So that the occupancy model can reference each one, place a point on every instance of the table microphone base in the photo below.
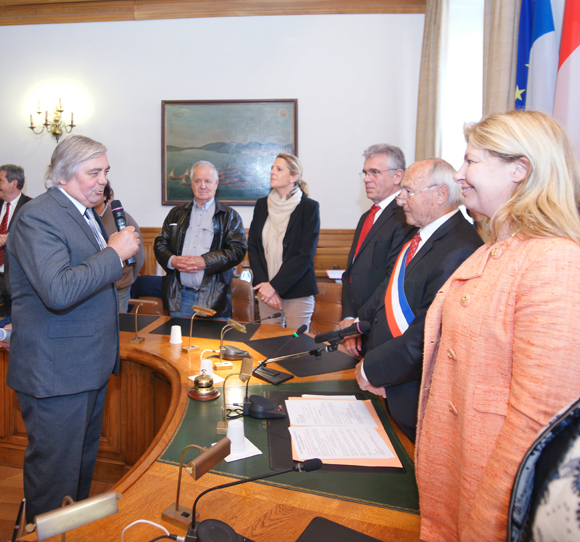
(271, 375)
(232, 353)
(179, 518)
(214, 530)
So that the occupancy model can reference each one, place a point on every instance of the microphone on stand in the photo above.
(333, 337)
(121, 222)
(358, 328)
(270, 375)
(213, 530)
(231, 353)
(275, 315)
(296, 334)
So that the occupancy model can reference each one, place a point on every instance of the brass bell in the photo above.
(203, 389)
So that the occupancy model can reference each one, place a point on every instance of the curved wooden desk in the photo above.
(260, 512)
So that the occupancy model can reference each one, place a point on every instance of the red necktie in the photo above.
(413, 248)
(3, 228)
(369, 221)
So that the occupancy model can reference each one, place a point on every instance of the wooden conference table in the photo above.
(260, 512)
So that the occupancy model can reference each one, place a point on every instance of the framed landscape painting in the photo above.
(240, 137)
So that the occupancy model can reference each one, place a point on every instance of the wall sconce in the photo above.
(55, 126)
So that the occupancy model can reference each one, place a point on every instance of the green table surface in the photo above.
(389, 490)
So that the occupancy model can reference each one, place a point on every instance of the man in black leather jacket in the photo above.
(198, 247)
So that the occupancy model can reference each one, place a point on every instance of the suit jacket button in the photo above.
(452, 408)
(465, 300)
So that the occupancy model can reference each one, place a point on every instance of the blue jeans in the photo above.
(189, 298)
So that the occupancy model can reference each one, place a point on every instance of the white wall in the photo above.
(355, 78)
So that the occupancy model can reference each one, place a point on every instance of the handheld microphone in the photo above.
(215, 527)
(358, 328)
(121, 222)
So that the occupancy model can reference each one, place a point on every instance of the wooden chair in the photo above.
(327, 308)
(243, 301)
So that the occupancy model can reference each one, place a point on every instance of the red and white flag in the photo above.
(567, 98)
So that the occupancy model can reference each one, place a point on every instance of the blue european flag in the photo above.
(524, 48)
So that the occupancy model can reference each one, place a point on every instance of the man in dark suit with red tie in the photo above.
(379, 236)
(393, 362)
(11, 185)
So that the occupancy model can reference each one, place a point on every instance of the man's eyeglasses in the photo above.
(405, 193)
(374, 173)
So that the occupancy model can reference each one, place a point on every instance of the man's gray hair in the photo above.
(396, 155)
(69, 154)
(442, 173)
(14, 173)
(204, 163)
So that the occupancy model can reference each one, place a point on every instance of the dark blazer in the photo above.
(376, 257)
(396, 363)
(228, 248)
(23, 199)
(4, 284)
(65, 338)
(296, 277)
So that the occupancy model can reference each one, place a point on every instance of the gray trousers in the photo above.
(63, 441)
(295, 312)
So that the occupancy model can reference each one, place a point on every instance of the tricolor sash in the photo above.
(399, 313)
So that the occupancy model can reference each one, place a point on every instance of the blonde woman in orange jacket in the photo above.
(502, 338)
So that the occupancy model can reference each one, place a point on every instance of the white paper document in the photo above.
(339, 443)
(325, 397)
(317, 413)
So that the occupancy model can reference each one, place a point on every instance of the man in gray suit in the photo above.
(65, 338)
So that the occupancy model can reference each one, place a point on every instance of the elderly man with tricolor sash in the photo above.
(392, 365)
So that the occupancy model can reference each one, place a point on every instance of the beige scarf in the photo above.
(279, 211)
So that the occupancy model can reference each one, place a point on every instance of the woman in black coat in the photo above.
(282, 244)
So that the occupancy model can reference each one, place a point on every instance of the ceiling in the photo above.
(18, 12)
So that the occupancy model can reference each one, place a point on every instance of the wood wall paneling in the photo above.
(16, 12)
(333, 249)
(150, 265)
(138, 401)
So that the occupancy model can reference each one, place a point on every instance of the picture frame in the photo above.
(240, 137)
